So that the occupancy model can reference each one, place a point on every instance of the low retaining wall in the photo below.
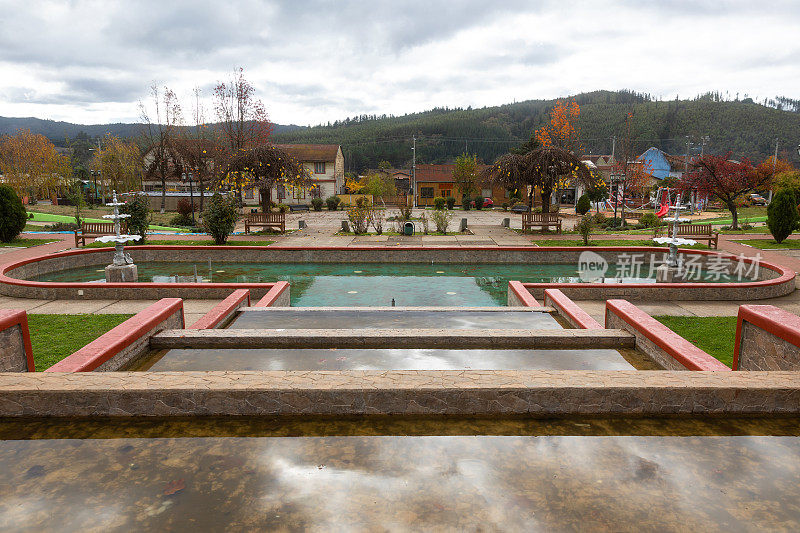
(569, 310)
(278, 296)
(657, 341)
(223, 310)
(126, 343)
(531, 393)
(15, 281)
(519, 296)
(16, 354)
(767, 338)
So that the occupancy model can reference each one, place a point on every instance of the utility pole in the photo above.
(613, 145)
(414, 172)
(774, 162)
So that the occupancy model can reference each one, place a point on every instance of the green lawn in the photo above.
(713, 334)
(25, 243)
(47, 217)
(770, 244)
(607, 242)
(54, 337)
(205, 242)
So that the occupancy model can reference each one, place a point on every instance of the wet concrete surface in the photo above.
(498, 475)
(392, 359)
(341, 319)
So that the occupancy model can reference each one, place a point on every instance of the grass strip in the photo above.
(713, 334)
(54, 337)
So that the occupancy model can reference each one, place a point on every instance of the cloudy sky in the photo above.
(315, 61)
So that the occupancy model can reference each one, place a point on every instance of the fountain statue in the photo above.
(122, 268)
(667, 272)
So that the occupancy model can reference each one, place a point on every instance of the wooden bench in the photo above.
(97, 229)
(299, 207)
(696, 232)
(634, 215)
(541, 220)
(520, 209)
(266, 220)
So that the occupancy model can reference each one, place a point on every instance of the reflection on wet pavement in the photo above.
(533, 482)
(391, 359)
(342, 319)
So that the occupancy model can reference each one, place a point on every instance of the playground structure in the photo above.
(664, 199)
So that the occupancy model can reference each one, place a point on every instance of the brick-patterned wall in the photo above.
(12, 350)
(767, 338)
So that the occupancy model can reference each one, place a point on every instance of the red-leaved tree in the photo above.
(724, 178)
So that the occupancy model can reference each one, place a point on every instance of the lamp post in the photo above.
(191, 196)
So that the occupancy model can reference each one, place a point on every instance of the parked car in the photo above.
(757, 199)
(488, 202)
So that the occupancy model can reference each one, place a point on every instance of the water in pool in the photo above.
(400, 474)
(362, 284)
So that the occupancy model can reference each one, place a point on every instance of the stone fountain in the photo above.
(667, 272)
(122, 268)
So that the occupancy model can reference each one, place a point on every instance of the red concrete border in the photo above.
(771, 319)
(574, 313)
(223, 310)
(273, 294)
(18, 317)
(523, 295)
(683, 351)
(112, 342)
(786, 274)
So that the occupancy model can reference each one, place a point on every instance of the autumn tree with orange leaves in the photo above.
(31, 164)
(563, 130)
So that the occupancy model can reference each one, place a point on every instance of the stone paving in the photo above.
(485, 228)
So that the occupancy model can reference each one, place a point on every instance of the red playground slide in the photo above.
(663, 209)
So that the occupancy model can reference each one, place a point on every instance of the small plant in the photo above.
(439, 203)
(519, 205)
(441, 219)
(424, 221)
(62, 226)
(184, 208)
(219, 217)
(333, 202)
(583, 205)
(649, 220)
(405, 212)
(317, 204)
(479, 202)
(138, 208)
(599, 219)
(12, 214)
(466, 203)
(584, 227)
(377, 220)
(282, 208)
(782, 215)
(360, 216)
(505, 206)
(451, 203)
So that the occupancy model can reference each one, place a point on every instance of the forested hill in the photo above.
(59, 132)
(743, 127)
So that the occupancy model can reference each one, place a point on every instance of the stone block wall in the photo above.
(16, 354)
(767, 338)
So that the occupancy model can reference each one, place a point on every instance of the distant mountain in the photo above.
(746, 128)
(58, 131)
(712, 123)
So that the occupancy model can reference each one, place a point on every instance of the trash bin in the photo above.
(408, 228)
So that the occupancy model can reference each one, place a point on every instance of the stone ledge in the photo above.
(394, 338)
(532, 393)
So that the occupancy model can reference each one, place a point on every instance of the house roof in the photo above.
(311, 152)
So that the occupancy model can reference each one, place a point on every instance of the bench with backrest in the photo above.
(541, 220)
(298, 207)
(266, 220)
(696, 232)
(97, 229)
(633, 215)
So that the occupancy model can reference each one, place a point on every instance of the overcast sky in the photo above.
(318, 61)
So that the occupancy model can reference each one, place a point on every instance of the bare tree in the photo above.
(196, 148)
(161, 124)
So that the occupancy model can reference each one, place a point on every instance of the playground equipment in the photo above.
(662, 200)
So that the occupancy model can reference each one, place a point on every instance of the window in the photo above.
(446, 193)
(281, 192)
(426, 192)
(319, 168)
(248, 194)
(299, 193)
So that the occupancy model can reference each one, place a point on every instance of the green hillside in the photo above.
(747, 129)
